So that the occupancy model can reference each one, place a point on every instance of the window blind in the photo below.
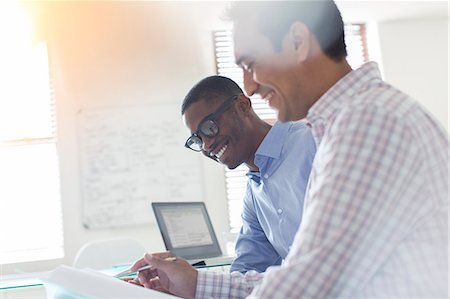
(236, 180)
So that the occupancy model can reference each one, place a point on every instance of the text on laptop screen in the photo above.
(186, 227)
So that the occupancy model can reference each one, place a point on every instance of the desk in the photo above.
(28, 285)
(28, 280)
(25, 285)
(23, 280)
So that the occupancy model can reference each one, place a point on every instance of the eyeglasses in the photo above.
(208, 126)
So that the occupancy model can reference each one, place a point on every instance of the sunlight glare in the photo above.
(15, 28)
(24, 73)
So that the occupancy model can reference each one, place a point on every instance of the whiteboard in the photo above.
(131, 156)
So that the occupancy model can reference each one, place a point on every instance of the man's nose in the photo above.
(250, 86)
(207, 143)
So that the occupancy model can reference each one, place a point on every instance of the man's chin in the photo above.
(231, 166)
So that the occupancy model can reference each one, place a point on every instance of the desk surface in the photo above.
(22, 280)
(25, 280)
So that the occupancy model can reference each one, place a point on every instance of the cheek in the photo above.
(261, 76)
(262, 71)
(269, 68)
(236, 130)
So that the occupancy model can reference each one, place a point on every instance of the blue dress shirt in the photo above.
(273, 204)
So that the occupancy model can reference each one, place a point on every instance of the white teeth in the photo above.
(268, 97)
(222, 150)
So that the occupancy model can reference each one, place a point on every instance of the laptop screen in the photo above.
(186, 229)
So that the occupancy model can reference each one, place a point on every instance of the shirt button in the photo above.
(266, 176)
(280, 211)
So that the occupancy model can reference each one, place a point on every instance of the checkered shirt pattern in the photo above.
(375, 222)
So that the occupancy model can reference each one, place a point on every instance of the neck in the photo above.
(259, 134)
(323, 74)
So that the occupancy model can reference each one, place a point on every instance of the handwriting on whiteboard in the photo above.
(131, 156)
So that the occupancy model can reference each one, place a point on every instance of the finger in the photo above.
(155, 283)
(139, 263)
(158, 260)
(161, 255)
(146, 275)
(142, 262)
(145, 280)
(135, 281)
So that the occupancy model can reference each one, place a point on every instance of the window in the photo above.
(30, 204)
(236, 180)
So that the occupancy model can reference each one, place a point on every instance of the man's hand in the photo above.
(177, 277)
(132, 280)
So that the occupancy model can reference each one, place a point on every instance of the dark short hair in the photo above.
(274, 18)
(211, 88)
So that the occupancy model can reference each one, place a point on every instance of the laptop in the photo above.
(187, 232)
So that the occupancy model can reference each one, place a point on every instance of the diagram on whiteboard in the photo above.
(131, 156)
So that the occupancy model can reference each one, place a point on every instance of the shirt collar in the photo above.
(270, 148)
(254, 175)
(272, 144)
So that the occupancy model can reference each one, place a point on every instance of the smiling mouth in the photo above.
(269, 96)
(220, 153)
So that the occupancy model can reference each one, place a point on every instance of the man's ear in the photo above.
(298, 39)
(244, 104)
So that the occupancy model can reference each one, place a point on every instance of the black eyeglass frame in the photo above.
(195, 138)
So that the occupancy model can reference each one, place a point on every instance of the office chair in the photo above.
(104, 254)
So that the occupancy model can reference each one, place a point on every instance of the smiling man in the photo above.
(226, 129)
(376, 207)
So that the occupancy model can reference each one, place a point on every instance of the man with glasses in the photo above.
(226, 129)
(375, 219)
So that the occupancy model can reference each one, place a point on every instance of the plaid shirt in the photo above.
(376, 208)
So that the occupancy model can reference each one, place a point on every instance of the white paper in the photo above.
(68, 282)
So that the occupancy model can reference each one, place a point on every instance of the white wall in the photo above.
(105, 53)
(415, 59)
